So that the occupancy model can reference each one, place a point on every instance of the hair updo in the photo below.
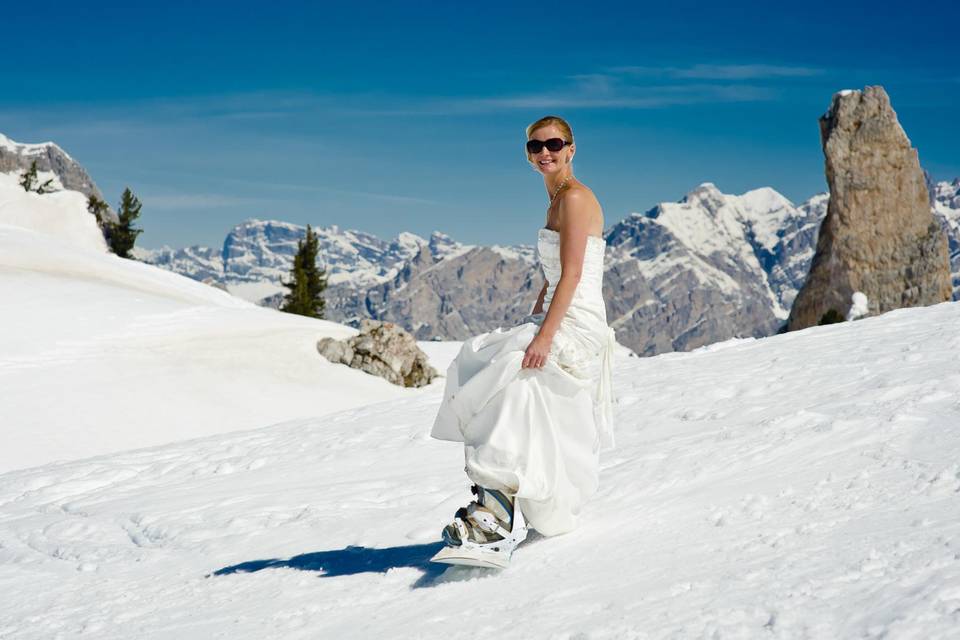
(546, 121)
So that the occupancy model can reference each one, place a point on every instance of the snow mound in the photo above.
(62, 214)
(101, 354)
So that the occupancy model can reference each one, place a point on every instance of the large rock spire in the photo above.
(879, 236)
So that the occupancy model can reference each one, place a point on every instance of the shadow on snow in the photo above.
(353, 560)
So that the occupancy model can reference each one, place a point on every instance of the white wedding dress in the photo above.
(537, 432)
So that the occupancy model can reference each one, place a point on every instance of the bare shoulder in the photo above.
(580, 203)
(579, 196)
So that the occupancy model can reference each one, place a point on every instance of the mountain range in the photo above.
(680, 275)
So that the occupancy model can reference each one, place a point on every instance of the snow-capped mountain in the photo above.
(681, 275)
(368, 276)
(257, 256)
(746, 256)
(709, 267)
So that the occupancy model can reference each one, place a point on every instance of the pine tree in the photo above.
(123, 234)
(307, 282)
(29, 177)
(97, 207)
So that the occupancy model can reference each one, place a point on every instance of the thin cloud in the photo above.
(616, 88)
(719, 72)
(173, 202)
(585, 96)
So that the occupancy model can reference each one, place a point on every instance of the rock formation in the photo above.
(382, 349)
(16, 157)
(879, 236)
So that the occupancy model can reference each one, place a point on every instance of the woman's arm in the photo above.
(538, 307)
(574, 215)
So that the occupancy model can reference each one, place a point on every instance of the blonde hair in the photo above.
(546, 121)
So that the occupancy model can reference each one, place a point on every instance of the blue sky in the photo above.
(410, 116)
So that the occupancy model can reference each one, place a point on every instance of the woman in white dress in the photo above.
(532, 403)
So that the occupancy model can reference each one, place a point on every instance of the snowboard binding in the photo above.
(485, 532)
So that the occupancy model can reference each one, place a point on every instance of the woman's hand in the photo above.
(537, 352)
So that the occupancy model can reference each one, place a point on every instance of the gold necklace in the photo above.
(554, 196)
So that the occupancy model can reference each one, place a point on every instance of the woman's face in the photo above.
(548, 161)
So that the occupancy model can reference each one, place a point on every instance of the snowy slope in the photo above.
(799, 486)
(102, 354)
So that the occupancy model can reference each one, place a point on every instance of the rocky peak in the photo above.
(50, 158)
(706, 196)
(441, 245)
(879, 236)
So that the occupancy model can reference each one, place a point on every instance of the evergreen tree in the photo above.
(122, 234)
(29, 177)
(97, 207)
(307, 282)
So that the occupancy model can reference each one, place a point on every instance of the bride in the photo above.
(532, 403)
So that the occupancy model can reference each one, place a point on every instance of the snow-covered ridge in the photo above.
(258, 254)
(30, 149)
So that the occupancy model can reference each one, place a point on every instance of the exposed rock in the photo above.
(457, 297)
(382, 349)
(17, 157)
(879, 236)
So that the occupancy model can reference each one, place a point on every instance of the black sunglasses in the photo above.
(553, 144)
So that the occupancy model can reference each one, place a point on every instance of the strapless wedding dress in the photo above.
(537, 432)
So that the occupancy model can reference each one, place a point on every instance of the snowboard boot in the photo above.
(485, 532)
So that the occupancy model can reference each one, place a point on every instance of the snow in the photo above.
(803, 485)
(62, 214)
(768, 213)
(859, 306)
(799, 486)
(254, 291)
(19, 148)
(527, 253)
(101, 354)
